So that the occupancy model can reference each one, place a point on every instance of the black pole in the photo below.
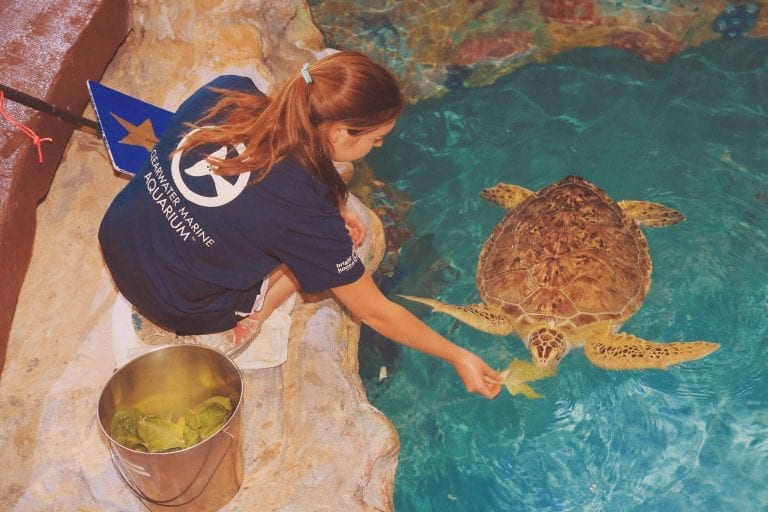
(43, 106)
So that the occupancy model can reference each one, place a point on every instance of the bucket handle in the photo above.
(131, 484)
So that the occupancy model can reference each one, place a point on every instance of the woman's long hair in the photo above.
(346, 88)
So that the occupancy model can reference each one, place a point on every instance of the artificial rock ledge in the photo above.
(47, 50)
(302, 420)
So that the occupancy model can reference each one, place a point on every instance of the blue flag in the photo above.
(130, 127)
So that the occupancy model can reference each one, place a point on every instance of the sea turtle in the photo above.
(565, 268)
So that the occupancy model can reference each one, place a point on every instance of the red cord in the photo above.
(36, 140)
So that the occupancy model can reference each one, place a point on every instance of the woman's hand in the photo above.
(475, 374)
(354, 225)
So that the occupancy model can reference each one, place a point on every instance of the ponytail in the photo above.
(345, 88)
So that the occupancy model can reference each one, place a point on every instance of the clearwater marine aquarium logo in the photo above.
(194, 180)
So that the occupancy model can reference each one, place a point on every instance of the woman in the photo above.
(240, 205)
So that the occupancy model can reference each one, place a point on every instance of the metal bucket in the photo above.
(175, 379)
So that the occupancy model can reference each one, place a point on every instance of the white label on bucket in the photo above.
(136, 468)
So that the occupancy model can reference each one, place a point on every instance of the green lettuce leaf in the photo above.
(150, 433)
(209, 416)
(161, 435)
(124, 428)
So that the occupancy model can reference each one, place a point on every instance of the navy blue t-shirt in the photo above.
(189, 248)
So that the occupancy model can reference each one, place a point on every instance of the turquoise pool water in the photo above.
(692, 134)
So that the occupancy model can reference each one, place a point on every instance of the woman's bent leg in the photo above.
(282, 284)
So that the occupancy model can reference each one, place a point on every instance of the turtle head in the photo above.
(547, 347)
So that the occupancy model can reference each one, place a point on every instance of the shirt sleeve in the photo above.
(311, 237)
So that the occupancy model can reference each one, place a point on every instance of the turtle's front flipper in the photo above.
(479, 316)
(651, 215)
(626, 352)
(505, 195)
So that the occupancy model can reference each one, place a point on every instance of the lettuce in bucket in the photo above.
(151, 433)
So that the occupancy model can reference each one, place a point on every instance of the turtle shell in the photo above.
(565, 255)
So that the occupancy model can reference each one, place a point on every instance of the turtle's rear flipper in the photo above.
(479, 316)
(626, 352)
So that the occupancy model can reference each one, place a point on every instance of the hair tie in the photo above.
(305, 73)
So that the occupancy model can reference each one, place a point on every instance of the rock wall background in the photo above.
(436, 45)
(47, 51)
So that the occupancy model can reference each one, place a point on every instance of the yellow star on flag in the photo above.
(142, 135)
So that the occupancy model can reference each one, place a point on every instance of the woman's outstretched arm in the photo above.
(366, 302)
